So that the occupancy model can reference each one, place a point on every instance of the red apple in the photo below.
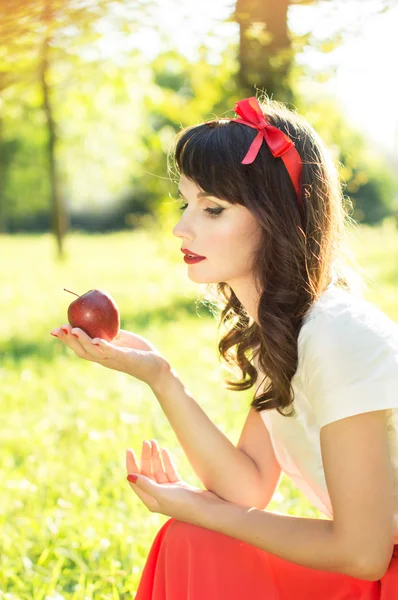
(96, 313)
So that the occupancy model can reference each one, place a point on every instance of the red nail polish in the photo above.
(74, 335)
(132, 478)
(64, 330)
(54, 334)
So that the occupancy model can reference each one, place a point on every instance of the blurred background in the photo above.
(92, 95)
(93, 91)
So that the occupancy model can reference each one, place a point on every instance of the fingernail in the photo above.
(74, 335)
(64, 330)
(54, 334)
(94, 344)
(132, 478)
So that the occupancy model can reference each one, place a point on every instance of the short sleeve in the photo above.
(350, 364)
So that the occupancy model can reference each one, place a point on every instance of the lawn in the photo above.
(71, 526)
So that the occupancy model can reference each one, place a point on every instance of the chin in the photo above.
(199, 279)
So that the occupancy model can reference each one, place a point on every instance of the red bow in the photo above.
(278, 142)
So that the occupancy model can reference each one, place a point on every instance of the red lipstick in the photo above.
(190, 260)
(190, 253)
(190, 257)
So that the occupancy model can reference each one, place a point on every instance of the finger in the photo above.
(66, 328)
(169, 466)
(110, 350)
(61, 331)
(139, 482)
(65, 335)
(131, 461)
(158, 471)
(146, 459)
(94, 351)
(146, 489)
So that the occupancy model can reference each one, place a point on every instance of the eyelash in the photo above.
(214, 212)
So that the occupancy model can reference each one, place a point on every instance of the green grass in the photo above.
(70, 525)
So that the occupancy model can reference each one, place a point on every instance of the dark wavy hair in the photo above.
(300, 253)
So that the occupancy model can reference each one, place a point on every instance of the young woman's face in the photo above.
(227, 239)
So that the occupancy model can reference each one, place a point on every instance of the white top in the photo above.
(347, 365)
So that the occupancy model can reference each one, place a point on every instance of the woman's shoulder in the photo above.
(348, 357)
(340, 315)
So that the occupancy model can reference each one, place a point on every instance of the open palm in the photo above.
(126, 339)
(157, 464)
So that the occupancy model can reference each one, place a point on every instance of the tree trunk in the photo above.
(265, 51)
(59, 217)
(3, 225)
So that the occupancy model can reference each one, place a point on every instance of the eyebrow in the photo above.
(200, 194)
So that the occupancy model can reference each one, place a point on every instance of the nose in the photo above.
(181, 231)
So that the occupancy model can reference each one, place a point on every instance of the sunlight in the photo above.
(362, 58)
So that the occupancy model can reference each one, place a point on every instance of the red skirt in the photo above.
(187, 562)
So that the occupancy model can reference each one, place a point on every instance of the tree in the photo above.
(265, 52)
(181, 93)
(267, 47)
(59, 221)
(267, 60)
(15, 55)
(34, 36)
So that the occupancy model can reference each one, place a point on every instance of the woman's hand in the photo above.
(127, 352)
(162, 490)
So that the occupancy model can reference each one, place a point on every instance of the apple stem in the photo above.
(65, 290)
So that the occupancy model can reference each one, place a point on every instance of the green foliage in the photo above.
(77, 86)
(369, 181)
(181, 93)
(116, 116)
(71, 526)
(375, 195)
(27, 185)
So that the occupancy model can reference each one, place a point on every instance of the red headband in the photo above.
(278, 142)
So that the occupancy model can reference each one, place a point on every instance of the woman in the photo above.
(263, 213)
